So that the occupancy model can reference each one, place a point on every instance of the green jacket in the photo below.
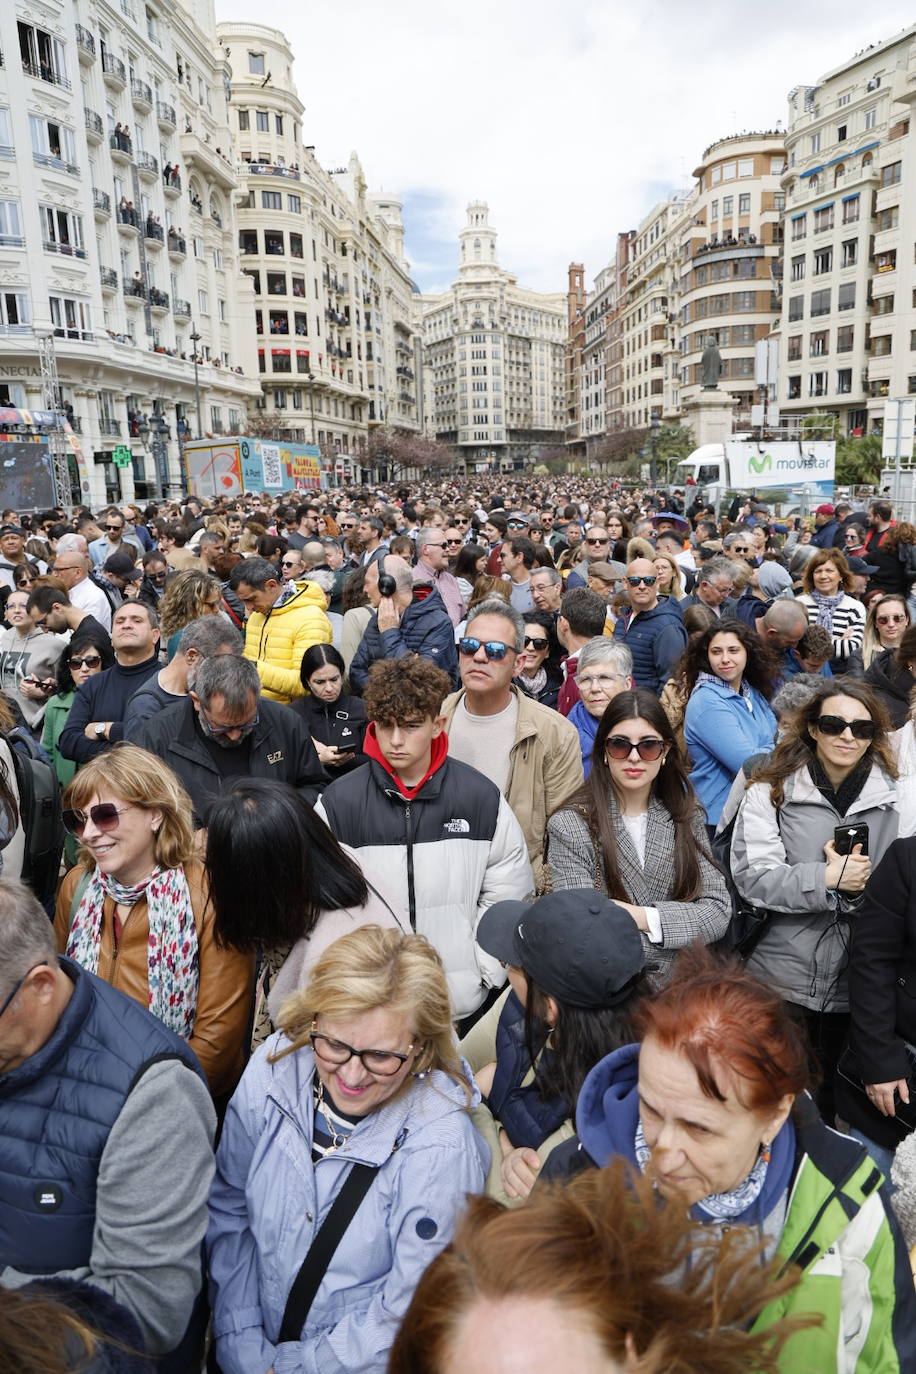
(855, 1269)
(56, 713)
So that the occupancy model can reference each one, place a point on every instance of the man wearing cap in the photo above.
(12, 547)
(861, 571)
(826, 526)
(122, 574)
(578, 985)
(666, 520)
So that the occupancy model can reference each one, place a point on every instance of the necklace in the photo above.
(336, 1138)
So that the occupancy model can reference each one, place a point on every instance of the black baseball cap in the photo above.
(122, 565)
(860, 566)
(577, 945)
(11, 529)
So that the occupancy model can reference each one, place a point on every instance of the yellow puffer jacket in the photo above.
(276, 641)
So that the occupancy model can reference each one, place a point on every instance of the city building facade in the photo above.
(337, 353)
(117, 233)
(847, 333)
(651, 374)
(495, 356)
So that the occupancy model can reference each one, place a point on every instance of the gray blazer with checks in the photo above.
(574, 863)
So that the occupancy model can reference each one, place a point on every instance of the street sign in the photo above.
(121, 456)
(898, 429)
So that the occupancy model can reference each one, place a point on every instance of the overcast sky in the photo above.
(572, 118)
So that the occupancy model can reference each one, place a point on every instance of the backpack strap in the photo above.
(78, 894)
(322, 1249)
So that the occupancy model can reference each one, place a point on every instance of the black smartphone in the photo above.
(845, 837)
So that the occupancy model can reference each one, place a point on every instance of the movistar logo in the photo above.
(760, 464)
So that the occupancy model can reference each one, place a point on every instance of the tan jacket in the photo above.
(224, 996)
(545, 767)
(183, 560)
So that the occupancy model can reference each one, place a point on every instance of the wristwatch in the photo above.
(100, 730)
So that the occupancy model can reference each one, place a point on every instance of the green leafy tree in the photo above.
(859, 461)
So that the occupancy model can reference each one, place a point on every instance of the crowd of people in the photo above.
(462, 924)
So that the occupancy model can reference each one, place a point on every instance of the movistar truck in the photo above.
(789, 475)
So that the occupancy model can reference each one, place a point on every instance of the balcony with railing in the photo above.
(178, 247)
(165, 114)
(128, 218)
(171, 184)
(109, 278)
(269, 169)
(55, 163)
(153, 233)
(202, 157)
(135, 290)
(111, 429)
(101, 202)
(181, 309)
(141, 95)
(147, 166)
(159, 300)
(67, 250)
(95, 129)
(85, 42)
(114, 71)
(122, 148)
(46, 71)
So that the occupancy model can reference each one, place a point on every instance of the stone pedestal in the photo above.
(709, 415)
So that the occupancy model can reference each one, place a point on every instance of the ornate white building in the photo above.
(335, 342)
(494, 357)
(117, 231)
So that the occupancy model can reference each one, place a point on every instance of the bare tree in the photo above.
(618, 446)
(401, 450)
(265, 424)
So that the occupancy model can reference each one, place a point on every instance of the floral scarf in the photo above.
(172, 951)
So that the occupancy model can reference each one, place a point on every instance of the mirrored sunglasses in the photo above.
(493, 649)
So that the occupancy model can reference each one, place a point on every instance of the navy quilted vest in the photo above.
(527, 1118)
(56, 1111)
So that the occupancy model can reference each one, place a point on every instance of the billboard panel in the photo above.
(753, 466)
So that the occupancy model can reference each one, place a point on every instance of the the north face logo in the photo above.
(457, 827)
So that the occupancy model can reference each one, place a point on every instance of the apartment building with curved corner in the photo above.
(336, 349)
(116, 232)
(729, 262)
(648, 306)
(496, 352)
(847, 335)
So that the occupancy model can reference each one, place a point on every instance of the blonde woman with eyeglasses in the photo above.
(361, 1088)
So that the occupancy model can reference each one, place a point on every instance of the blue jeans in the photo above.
(882, 1156)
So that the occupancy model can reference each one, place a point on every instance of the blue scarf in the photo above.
(826, 605)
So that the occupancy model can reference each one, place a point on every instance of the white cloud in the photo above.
(568, 118)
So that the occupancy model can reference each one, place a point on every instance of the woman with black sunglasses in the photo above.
(86, 654)
(831, 770)
(537, 669)
(636, 831)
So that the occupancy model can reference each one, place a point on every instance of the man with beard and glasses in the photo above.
(225, 729)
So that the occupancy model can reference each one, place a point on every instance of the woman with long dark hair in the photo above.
(729, 674)
(335, 720)
(468, 567)
(316, 892)
(832, 770)
(635, 830)
(566, 1007)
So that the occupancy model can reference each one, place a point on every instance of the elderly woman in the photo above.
(604, 668)
(635, 830)
(135, 912)
(832, 769)
(363, 1069)
(827, 583)
(713, 1101)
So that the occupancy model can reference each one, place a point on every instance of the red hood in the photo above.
(438, 755)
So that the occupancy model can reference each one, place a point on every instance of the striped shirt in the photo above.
(332, 1127)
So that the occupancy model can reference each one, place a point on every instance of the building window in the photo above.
(820, 302)
(888, 218)
(844, 338)
(870, 118)
(10, 225)
(823, 261)
(222, 311)
(844, 381)
(819, 343)
(823, 219)
(271, 200)
(280, 360)
(248, 241)
(777, 166)
(882, 346)
(794, 348)
(746, 167)
(203, 302)
(841, 133)
(70, 317)
(255, 277)
(744, 203)
(793, 391)
(890, 175)
(14, 310)
(728, 206)
(714, 209)
(851, 210)
(243, 121)
(817, 384)
(814, 142)
(799, 226)
(846, 296)
(216, 419)
(886, 261)
(883, 305)
(276, 283)
(850, 253)
(262, 121)
(798, 268)
(294, 204)
(278, 124)
(256, 64)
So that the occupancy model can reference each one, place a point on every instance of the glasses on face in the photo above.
(437, 545)
(619, 747)
(87, 661)
(159, 576)
(493, 648)
(597, 541)
(114, 529)
(453, 543)
(740, 548)
(18, 984)
(25, 581)
(105, 816)
(890, 619)
(516, 525)
(836, 725)
(383, 1063)
(290, 563)
(602, 682)
(535, 642)
(348, 524)
(245, 728)
(645, 580)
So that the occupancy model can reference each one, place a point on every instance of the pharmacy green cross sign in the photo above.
(121, 456)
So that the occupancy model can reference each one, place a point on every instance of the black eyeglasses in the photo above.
(534, 642)
(836, 725)
(597, 541)
(493, 648)
(114, 529)
(89, 661)
(158, 577)
(452, 543)
(105, 816)
(648, 749)
(739, 548)
(645, 580)
(18, 984)
(384, 1063)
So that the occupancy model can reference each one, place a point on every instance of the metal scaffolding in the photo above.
(57, 439)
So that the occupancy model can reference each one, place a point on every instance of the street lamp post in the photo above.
(653, 438)
(195, 340)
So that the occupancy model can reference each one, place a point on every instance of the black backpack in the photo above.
(748, 923)
(39, 813)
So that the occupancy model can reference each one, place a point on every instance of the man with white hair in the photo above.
(71, 568)
(432, 566)
(408, 620)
